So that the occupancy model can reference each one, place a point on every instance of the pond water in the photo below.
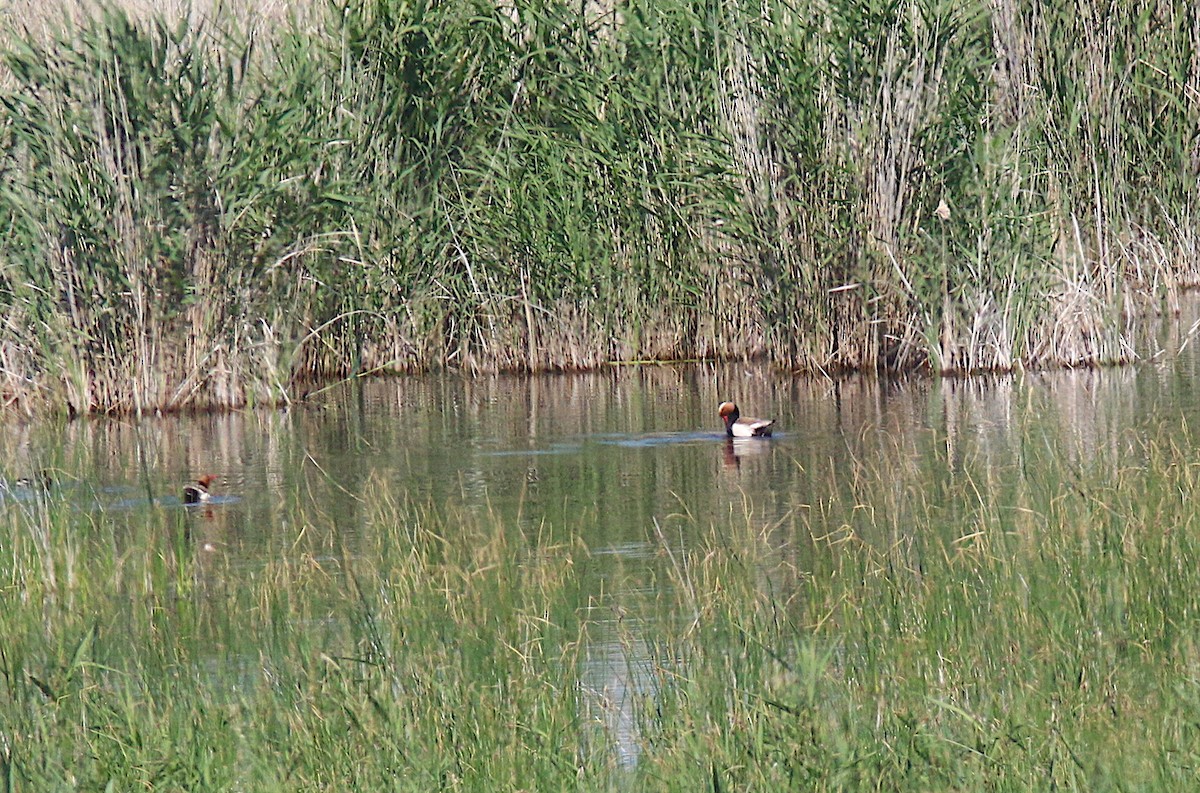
(630, 462)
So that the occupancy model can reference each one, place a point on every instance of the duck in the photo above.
(197, 492)
(41, 480)
(737, 426)
(25, 488)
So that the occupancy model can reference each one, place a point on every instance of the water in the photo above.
(595, 457)
(630, 462)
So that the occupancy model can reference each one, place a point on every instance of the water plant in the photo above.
(204, 211)
(963, 622)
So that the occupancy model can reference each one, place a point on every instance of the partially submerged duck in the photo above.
(41, 480)
(738, 426)
(198, 492)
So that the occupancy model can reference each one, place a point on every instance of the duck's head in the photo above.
(206, 480)
(727, 409)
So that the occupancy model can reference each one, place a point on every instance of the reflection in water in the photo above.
(736, 449)
(615, 461)
(617, 675)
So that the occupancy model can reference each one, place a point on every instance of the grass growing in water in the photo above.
(915, 631)
(199, 213)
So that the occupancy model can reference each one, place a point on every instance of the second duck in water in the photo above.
(197, 492)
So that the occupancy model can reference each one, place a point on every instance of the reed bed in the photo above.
(942, 627)
(205, 207)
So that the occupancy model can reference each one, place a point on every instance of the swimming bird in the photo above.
(41, 480)
(24, 488)
(738, 427)
(197, 492)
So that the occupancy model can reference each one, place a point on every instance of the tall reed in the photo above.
(204, 213)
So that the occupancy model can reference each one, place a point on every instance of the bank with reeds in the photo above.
(211, 209)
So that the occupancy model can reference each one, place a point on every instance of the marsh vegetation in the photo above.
(960, 606)
(217, 205)
(934, 587)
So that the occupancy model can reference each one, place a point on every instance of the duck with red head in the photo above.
(739, 426)
(198, 492)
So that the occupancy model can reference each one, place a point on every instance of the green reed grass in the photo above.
(1044, 640)
(199, 212)
(948, 626)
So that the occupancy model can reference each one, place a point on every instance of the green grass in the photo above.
(206, 211)
(950, 626)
